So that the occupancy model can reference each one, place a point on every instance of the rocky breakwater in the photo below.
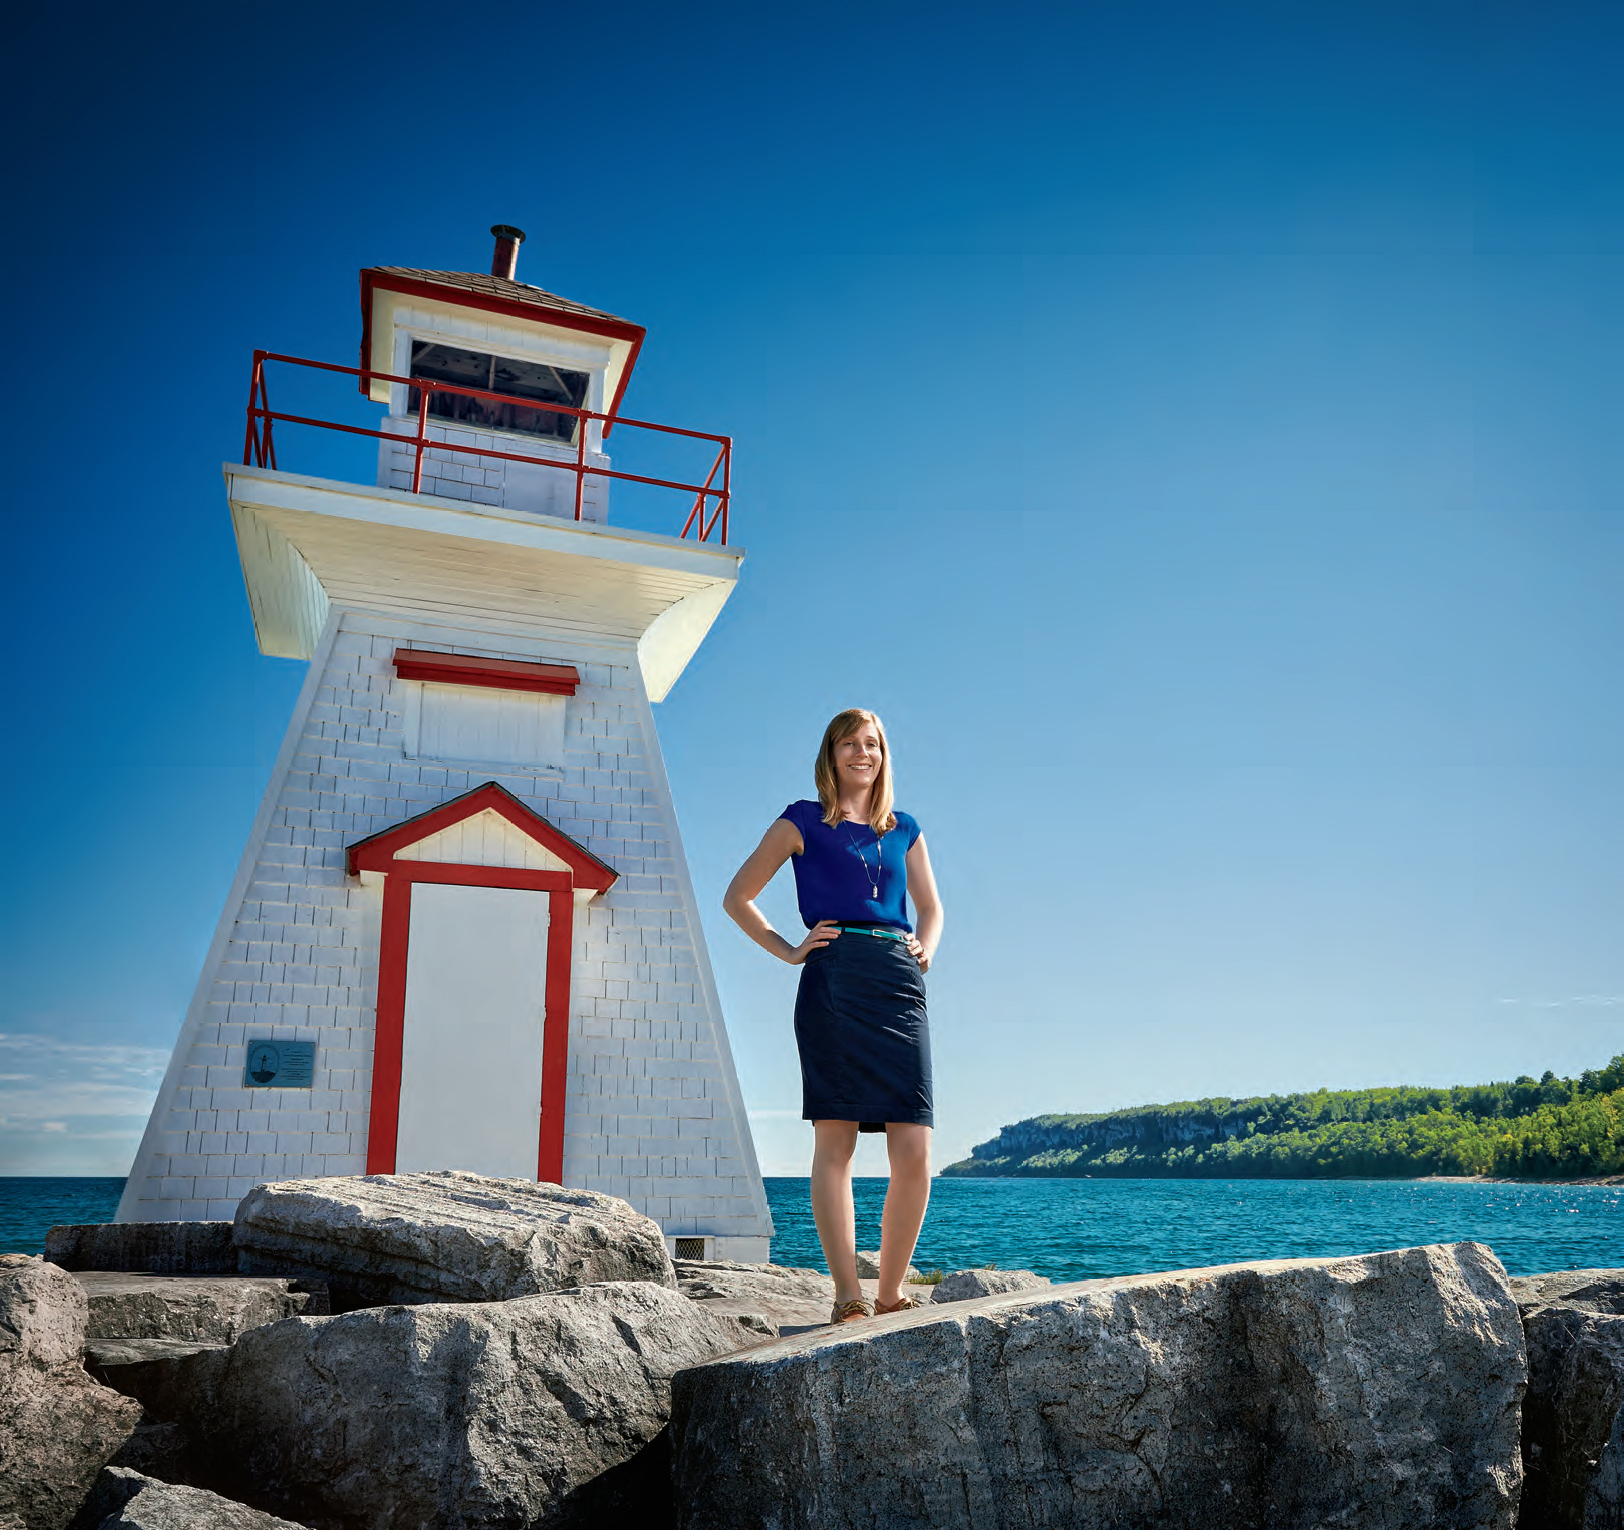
(1573, 1415)
(1380, 1390)
(58, 1428)
(513, 1367)
(537, 1411)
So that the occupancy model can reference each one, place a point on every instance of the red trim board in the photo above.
(497, 674)
(389, 1034)
(555, 1037)
(377, 851)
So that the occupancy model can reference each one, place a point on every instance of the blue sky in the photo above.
(1194, 428)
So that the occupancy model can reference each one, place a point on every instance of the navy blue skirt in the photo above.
(863, 1035)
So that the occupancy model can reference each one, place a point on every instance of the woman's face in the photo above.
(857, 759)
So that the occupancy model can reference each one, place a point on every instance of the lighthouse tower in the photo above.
(463, 934)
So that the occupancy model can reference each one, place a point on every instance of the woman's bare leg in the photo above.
(834, 1143)
(905, 1200)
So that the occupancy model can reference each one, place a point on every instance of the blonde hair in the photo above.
(880, 795)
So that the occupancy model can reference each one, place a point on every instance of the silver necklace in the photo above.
(879, 861)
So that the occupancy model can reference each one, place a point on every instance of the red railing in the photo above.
(259, 447)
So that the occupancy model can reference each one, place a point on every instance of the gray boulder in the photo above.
(122, 1497)
(1586, 1290)
(776, 1296)
(1573, 1422)
(868, 1266)
(159, 1248)
(541, 1411)
(217, 1308)
(444, 1237)
(1380, 1390)
(967, 1285)
(58, 1428)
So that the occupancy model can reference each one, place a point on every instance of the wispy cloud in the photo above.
(107, 1054)
(73, 1107)
(49, 1079)
(1578, 1001)
(83, 1129)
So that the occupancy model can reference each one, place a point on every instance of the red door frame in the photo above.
(389, 1038)
(378, 853)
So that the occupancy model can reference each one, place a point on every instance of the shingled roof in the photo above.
(500, 287)
(496, 294)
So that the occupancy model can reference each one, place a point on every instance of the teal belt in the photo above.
(869, 929)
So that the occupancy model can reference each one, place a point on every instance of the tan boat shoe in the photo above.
(904, 1303)
(852, 1311)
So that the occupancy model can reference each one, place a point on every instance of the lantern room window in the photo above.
(498, 374)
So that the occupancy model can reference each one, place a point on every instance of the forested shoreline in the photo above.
(1546, 1128)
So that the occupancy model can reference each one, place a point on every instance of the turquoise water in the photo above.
(1070, 1229)
(29, 1206)
(1075, 1229)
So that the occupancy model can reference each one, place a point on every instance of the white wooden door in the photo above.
(470, 1079)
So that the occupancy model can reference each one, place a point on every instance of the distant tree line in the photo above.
(1547, 1128)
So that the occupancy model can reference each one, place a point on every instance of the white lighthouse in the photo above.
(463, 933)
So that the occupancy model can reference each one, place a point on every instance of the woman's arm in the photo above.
(777, 845)
(927, 904)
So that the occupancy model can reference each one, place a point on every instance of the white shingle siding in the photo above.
(466, 475)
(653, 1109)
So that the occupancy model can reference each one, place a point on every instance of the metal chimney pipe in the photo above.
(506, 259)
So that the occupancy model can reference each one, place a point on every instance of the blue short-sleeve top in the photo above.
(839, 870)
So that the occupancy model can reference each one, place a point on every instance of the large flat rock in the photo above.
(123, 1499)
(1573, 1413)
(1377, 1391)
(213, 1308)
(538, 1412)
(58, 1428)
(444, 1237)
(160, 1248)
(784, 1299)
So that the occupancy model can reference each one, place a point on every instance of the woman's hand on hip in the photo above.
(921, 955)
(820, 934)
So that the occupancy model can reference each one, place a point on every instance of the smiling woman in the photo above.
(860, 1022)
